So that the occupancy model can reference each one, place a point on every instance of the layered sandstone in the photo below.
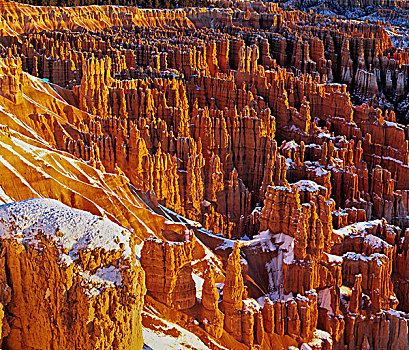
(168, 271)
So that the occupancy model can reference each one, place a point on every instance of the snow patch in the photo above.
(103, 278)
(34, 221)
(4, 197)
(333, 259)
(227, 244)
(324, 299)
(357, 228)
(170, 336)
(376, 242)
(379, 258)
(320, 171)
(199, 285)
(71, 229)
(285, 246)
(308, 186)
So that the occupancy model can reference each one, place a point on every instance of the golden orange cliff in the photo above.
(231, 177)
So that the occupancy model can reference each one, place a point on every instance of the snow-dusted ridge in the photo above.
(357, 228)
(71, 230)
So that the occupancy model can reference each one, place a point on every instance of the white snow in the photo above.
(290, 145)
(71, 229)
(399, 39)
(357, 228)
(65, 259)
(376, 242)
(324, 299)
(169, 336)
(199, 285)
(104, 277)
(285, 246)
(320, 334)
(227, 244)
(264, 239)
(308, 185)
(4, 197)
(379, 258)
(261, 299)
(181, 219)
(109, 274)
(290, 163)
(333, 259)
(319, 171)
(252, 304)
(397, 313)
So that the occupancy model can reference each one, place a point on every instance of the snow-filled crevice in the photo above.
(284, 244)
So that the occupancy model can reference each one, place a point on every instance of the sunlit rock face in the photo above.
(229, 177)
(69, 279)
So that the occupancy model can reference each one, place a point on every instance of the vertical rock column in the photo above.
(212, 316)
(168, 270)
(233, 295)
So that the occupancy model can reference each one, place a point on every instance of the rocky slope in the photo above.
(252, 155)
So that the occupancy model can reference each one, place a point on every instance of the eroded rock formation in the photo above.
(255, 155)
(69, 279)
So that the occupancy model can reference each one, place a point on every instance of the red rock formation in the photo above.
(61, 279)
(212, 316)
(12, 81)
(168, 272)
(233, 295)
